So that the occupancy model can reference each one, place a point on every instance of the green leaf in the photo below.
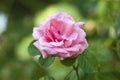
(73, 76)
(85, 65)
(68, 61)
(47, 78)
(46, 62)
(33, 51)
(81, 74)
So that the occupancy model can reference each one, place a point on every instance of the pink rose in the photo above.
(60, 36)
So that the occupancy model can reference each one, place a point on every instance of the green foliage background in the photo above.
(102, 18)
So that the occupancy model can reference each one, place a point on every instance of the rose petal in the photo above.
(67, 43)
(74, 48)
(80, 24)
(36, 33)
(84, 45)
(62, 16)
(81, 35)
(73, 36)
(56, 43)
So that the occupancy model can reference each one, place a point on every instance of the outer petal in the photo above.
(74, 48)
(80, 24)
(36, 33)
(63, 16)
(37, 44)
(84, 45)
(81, 35)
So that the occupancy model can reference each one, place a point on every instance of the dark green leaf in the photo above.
(33, 51)
(47, 78)
(85, 65)
(68, 61)
(46, 62)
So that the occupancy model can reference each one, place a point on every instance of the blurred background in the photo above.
(102, 25)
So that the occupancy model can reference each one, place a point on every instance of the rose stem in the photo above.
(76, 70)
